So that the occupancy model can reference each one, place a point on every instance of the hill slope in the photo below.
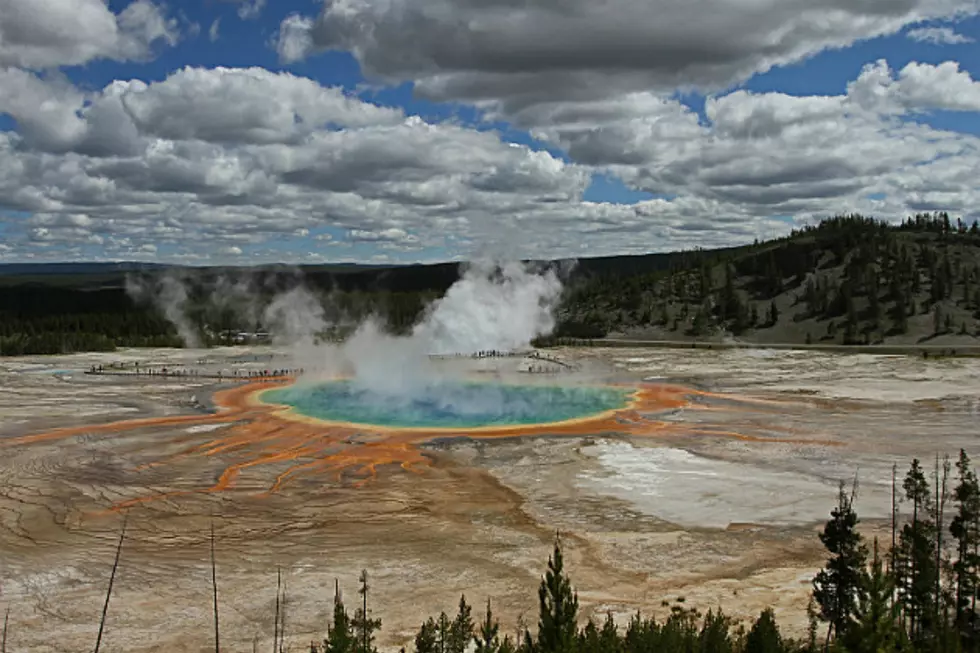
(850, 280)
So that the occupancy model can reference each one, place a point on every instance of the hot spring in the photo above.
(450, 404)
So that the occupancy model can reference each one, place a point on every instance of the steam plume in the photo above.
(493, 306)
(169, 294)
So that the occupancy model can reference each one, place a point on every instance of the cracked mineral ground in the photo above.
(709, 484)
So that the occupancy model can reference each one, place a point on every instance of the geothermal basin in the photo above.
(669, 473)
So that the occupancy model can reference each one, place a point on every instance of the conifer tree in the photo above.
(917, 557)
(901, 316)
(764, 635)
(340, 635)
(364, 626)
(966, 566)
(715, 633)
(426, 638)
(557, 608)
(837, 587)
(443, 633)
(609, 639)
(877, 617)
(588, 639)
(488, 640)
(941, 598)
(461, 630)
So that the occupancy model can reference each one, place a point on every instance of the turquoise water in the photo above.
(449, 405)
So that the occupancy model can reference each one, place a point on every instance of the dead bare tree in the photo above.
(214, 587)
(112, 579)
(275, 632)
(282, 621)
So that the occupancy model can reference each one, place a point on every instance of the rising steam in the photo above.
(493, 306)
(169, 294)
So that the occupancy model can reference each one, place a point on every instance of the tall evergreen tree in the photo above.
(877, 617)
(443, 633)
(340, 635)
(487, 639)
(461, 630)
(917, 572)
(966, 536)
(837, 587)
(364, 626)
(715, 635)
(557, 608)
(426, 638)
(593, 639)
(764, 635)
(588, 639)
(609, 638)
(773, 313)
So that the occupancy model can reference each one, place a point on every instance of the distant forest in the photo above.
(849, 280)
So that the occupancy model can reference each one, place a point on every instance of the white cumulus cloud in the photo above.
(50, 33)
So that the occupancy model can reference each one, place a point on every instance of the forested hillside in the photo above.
(849, 280)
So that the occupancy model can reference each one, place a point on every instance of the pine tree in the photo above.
(558, 608)
(837, 587)
(917, 555)
(488, 640)
(942, 599)
(966, 566)
(588, 639)
(340, 636)
(876, 629)
(443, 633)
(901, 316)
(764, 635)
(609, 639)
(700, 324)
(461, 630)
(425, 640)
(715, 635)
(364, 626)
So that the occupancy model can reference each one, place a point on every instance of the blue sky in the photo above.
(442, 151)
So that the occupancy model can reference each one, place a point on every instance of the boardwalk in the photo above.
(155, 373)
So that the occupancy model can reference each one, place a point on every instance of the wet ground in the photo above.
(712, 489)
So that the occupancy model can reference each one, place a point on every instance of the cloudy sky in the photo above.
(245, 131)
